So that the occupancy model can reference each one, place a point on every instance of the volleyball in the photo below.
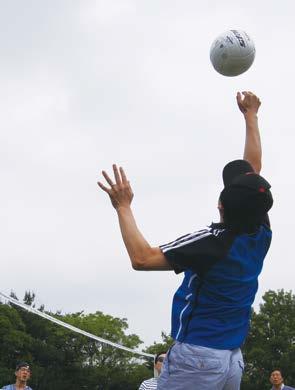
(232, 53)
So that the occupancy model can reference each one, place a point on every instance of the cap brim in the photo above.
(234, 169)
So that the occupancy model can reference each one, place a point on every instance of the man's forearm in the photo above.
(253, 150)
(137, 246)
(142, 255)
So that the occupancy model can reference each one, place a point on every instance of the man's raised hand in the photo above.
(248, 102)
(120, 192)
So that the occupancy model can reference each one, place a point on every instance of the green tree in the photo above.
(166, 343)
(62, 359)
(271, 341)
(113, 368)
(14, 341)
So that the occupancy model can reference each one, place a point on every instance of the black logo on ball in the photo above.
(239, 38)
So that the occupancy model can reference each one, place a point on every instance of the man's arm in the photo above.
(249, 105)
(142, 255)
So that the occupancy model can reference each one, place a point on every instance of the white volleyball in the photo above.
(232, 53)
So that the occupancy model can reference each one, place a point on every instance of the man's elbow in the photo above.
(149, 259)
(138, 264)
(137, 267)
(143, 260)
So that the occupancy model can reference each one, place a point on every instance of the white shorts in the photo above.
(191, 367)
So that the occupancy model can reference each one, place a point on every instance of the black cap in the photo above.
(246, 197)
(234, 169)
(21, 365)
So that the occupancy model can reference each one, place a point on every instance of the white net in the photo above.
(73, 328)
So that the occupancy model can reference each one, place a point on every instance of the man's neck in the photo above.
(20, 385)
(278, 387)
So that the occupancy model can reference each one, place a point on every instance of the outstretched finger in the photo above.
(241, 102)
(239, 97)
(123, 175)
(117, 174)
(103, 187)
(108, 179)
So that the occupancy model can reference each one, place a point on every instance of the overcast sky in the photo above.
(85, 84)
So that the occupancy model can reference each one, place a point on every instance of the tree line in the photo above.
(61, 359)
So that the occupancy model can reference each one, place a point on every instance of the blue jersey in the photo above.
(212, 307)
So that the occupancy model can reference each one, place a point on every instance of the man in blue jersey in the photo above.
(221, 264)
(23, 374)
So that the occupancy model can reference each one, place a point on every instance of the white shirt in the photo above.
(149, 384)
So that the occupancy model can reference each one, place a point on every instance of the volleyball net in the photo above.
(73, 328)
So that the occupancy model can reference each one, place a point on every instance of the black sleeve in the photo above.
(197, 252)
